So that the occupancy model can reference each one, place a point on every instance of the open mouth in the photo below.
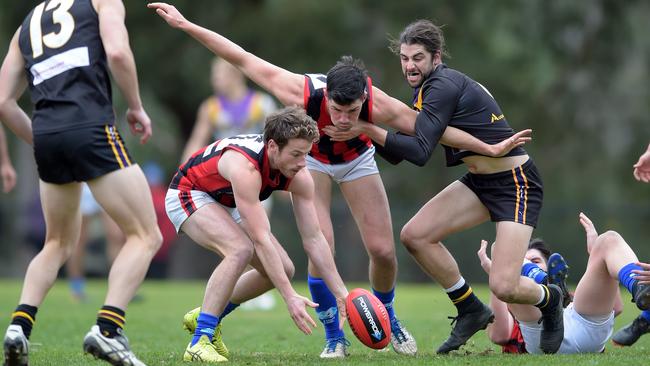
(412, 76)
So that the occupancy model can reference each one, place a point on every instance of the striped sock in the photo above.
(463, 297)
(25, 316)
(111, 320)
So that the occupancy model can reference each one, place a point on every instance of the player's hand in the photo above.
(643, 276)
(486, 262)
(169, 13)
(139, 123)
(505, 146)
(642, 168)
(344, 132)
(296, 305)
(590, 231)
(8, 177)
(343, 312)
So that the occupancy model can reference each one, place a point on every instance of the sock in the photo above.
(228, 309)
(387, 299)
(205, 325)
(25, 316)
(463, 297)
(545, 297)
(532, 270)
(645, 314)
(328, 313)
(77, 285)
(110, 320)
(626, 277)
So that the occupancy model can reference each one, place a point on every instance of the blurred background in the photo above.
(574, 72)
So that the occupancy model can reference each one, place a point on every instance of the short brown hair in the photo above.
(422, 32)
(290, 123)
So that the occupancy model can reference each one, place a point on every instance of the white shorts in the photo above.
(197, 199)
(581, 334)
(362, 166)
(88, 205)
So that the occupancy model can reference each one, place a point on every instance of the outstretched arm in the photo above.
(392, 112)
(284, 85)
(12, 85)
(316, 247)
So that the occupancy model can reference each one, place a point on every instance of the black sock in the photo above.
(465, 300)
(25, 316)
(110, 319)
(549, 298)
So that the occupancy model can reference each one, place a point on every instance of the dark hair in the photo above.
(346, 81)
(422, 32)
(289, 123)
(539, 244)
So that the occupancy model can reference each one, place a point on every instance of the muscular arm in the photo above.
(246, 183)
(316, 247)
(12, 85)
(391, 112)
(121, 63)
(283, 84)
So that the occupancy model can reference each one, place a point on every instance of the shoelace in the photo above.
(332, 343)
(453, 319)
(396, 328)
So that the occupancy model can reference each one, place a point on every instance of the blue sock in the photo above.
(532, 270)
(387, 299)
(645, 314)
(229, 308)
(328, 313)
(78, 285)
(626, 277)
(206, 324)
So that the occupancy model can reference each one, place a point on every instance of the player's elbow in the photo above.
(419, 159)
(118, 55)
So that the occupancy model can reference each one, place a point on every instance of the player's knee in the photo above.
(608, 240)
(411, 240)
(504, 291)
(384, 254)
(243, 253)
(154, 239)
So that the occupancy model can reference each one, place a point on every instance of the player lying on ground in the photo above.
(589, 319)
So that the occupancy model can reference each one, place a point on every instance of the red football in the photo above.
(368, 318)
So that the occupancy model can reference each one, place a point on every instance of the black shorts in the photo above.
(514, 195)
(80, 155)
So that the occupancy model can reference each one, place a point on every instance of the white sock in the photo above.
(542, 294)
(456, 286)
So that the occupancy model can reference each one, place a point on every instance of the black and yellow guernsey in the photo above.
(450, 98)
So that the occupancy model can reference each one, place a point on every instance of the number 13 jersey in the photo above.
(66, 66)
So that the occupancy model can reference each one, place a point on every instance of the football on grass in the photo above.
(368, 318)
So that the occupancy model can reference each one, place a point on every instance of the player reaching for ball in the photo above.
(338, 100)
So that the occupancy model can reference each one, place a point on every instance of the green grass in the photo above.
(268, 338)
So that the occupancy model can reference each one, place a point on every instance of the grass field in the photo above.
(269, 338)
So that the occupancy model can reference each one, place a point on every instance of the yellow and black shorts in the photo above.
(515, 195)
(80, 154)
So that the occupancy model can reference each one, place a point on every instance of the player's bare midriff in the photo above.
(477, 164)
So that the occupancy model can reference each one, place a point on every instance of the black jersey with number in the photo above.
(66, 66)
(450, 98)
